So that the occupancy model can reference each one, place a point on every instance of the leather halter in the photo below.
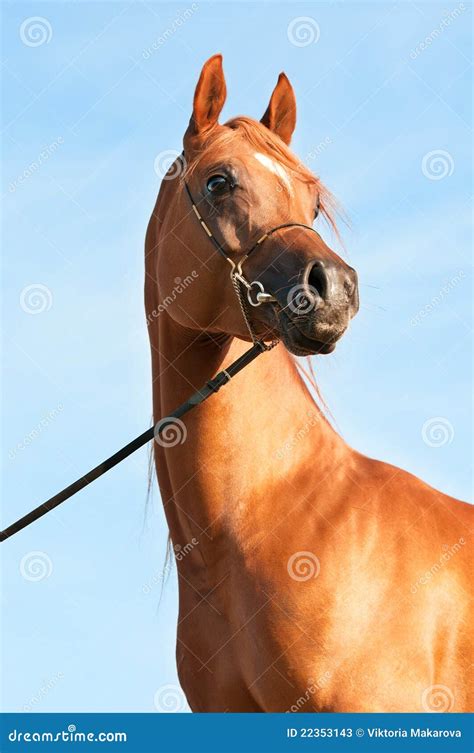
(237, 276)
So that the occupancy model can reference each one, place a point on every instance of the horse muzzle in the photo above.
(314, 314)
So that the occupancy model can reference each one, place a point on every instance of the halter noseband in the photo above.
(238, 279)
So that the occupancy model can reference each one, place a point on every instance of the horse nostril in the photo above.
(317, 278)
(332, 283)
(350, 283)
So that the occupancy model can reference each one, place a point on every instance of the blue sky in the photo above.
(94, 92)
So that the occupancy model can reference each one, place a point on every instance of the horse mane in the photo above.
(264, 140)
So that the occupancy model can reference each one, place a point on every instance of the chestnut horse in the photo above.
(311, 578)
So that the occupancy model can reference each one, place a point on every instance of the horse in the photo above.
(311, 578)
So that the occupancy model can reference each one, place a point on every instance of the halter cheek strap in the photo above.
(256, 295)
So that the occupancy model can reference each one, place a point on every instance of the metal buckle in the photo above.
(260, 297)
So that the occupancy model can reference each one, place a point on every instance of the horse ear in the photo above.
(209, 98)
(280, 115)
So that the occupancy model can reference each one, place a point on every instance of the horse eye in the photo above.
(316, 211)
(216, 183)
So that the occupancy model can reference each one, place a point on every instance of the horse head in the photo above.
(249, 192)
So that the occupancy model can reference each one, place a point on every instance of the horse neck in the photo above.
(248, 445)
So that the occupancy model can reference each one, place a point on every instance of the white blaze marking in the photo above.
(275, 167)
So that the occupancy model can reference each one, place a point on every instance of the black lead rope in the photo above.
(213, 385)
